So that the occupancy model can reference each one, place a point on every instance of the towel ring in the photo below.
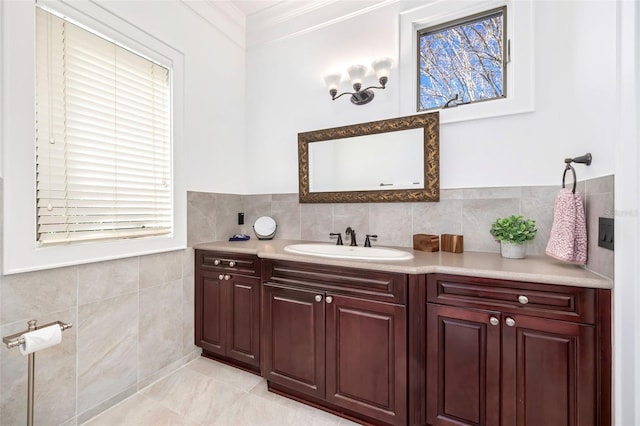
(564, 175)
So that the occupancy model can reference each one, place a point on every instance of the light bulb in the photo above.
(382, 67)
(332, 81)
(356, 73)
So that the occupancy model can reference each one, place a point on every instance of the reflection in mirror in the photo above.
(393, 161)
(380, 161)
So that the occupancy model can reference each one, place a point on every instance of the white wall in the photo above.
(284, 78)
(627, 213)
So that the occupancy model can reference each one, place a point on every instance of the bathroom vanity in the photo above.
(441, 339)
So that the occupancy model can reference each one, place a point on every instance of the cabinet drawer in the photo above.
(246, 264)
(568, 303)
(374, 285)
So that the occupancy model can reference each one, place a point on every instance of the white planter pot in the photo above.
(513, 251)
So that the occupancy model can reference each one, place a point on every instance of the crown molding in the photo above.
(287, 10)
(222, 15)
(283, 20)
(291, 18)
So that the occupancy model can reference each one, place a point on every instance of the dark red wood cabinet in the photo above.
(336, 338)
(227, 307)
(396, 349)
(509, 353)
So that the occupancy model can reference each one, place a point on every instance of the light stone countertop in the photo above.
(538, 269)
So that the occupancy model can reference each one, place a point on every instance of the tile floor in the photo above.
(205, 392)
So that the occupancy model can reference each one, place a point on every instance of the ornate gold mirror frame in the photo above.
(430, 191)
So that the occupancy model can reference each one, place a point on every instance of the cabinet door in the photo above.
(294, 340)
(366, 357)
(548, 372)
(209, 316)
(243, 319)
(463, 366)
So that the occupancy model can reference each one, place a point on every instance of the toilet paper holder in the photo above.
(16, 339)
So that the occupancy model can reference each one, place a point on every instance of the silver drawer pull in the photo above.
(494, 321)
(510, 322)
(232, 264)
(216, 262)
(221, 277)
(523, 299)
(329, 299)
(227, 277)
(318, 298)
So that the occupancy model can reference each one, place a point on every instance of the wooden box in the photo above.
(452, 243)
(426, 242)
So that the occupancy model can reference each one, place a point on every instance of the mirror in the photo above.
(395, 160)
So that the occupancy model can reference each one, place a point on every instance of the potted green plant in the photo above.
(513, 232)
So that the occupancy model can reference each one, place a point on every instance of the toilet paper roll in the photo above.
(41, 338)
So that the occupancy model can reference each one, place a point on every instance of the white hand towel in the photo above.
(568, 240)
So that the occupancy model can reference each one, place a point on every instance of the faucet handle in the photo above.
(367, 242)
(333, 234)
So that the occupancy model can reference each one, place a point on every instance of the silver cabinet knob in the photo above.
(523, 299)
(318, 298)
(221, 277)
(510, 322)
(232, 264)
(329, 299)
(227, 277)
(494, 321)
(216, 262)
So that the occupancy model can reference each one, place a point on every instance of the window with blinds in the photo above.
(103, 138)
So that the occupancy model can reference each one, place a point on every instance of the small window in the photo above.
(462, 61)
(103, 138)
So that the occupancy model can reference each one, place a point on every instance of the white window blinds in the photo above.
(103, 138)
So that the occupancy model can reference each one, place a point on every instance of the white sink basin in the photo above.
(349, 252)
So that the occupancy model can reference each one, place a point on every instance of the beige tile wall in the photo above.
(599, 198)
(133, 318)
(468, 212)
(132, 324)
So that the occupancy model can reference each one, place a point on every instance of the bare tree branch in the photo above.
(466, 60)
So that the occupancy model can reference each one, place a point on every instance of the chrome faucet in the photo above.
(352, 234)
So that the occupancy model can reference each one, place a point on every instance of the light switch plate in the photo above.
(605, 232)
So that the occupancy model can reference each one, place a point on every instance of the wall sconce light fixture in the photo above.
(356, 73)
